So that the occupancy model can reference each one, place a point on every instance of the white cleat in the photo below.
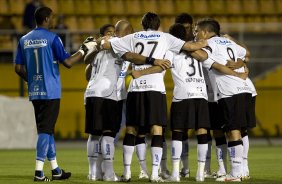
(114, 177)
(184, 173)
(143, 175)
(91, 177)
(218, 174)
(229, 178)
(173, 179)
(165, 174)
(200, 177)
(208, 174)
(156, 179)
(246, 177)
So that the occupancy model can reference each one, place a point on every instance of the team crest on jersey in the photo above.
(35, 43)
(147, 37)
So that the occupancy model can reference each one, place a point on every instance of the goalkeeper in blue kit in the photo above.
(39, 54)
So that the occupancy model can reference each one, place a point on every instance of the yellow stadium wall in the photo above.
(70, 123)
(269, 104)
(71, 118)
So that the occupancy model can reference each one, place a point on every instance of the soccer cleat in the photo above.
(156, 179)
(184, 173)
(41, 179)
(125, 178)
(208, 174)
(200, 178)
(218, 174)
(229, 178)
(114, 177)
(173, 179)
(61, 176)
(94, 178)
(143, 175)
(165, 174)
(246, 177)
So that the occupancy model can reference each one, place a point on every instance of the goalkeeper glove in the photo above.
(88, 47)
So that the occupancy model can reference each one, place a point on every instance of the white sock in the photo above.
(54, 164)
(141, 154)
(185, 155)
(236, 153)
(202, 150)
(92, 153)
(164, 158)
(208, 158)
(156, 154)
(221, 154)
(39, 165)
(200, 169)
(99, 164)
(176, 150)
(246, 145)
(127, 158)
(108, 151)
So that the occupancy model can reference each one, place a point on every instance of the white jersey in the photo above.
(149, 44)
(106, 68)
(252, 86)
(188, 77)
(223, 49)
(121, 89)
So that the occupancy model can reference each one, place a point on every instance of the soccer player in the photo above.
(146, 102)
(251, 118)
(187, 21)
(230, 92)
(101, 100)
(95, 116)
(189, 108)
(216, 121)
(37, 61)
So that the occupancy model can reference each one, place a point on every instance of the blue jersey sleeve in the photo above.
(19, 56)
(59, 51)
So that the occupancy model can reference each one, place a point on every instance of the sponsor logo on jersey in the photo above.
(223, 42)
(147, 37)
(197, 80)
(122, 74)
(35, 43)
(143, 86)
(245, 88)
(37, 93)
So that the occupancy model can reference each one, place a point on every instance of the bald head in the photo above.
(123, 28)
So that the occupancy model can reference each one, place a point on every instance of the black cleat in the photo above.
(125, 179)
(62, 176)
(41, 179)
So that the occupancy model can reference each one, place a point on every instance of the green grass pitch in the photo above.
(17, 166)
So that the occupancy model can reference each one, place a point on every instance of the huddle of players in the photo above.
(210, 93)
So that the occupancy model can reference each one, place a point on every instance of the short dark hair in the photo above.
(184, 18)
(209, 24)
(105, 27)
(151, 21)
(41, 14)
(178, 30)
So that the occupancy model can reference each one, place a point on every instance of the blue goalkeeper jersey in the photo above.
(41, 51)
